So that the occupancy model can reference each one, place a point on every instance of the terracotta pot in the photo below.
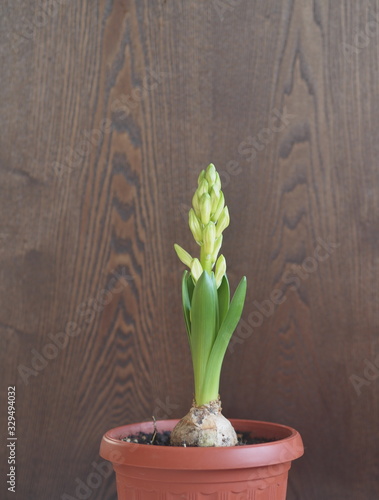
(252, 472)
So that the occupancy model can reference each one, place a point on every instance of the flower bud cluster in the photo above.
(207, 220)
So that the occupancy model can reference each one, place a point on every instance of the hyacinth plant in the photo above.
(210, 316)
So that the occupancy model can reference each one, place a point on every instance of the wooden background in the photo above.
(180, 84)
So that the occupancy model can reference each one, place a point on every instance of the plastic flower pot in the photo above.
(251, 472)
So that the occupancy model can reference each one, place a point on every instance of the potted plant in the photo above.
(203, 455)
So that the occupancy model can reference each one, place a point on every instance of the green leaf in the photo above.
(186, 301)
(203, 326)
(223, 298)
(217, 322)
(190, 286)
(225, 333)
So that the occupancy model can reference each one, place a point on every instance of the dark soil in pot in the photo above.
(163, 438)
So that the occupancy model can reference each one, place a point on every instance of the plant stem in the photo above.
(209, 391)
(205, 261)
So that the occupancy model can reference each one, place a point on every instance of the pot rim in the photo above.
(286, 448)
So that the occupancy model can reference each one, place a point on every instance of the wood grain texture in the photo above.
(109, 110)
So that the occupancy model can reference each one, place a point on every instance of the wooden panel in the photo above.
(108, 112)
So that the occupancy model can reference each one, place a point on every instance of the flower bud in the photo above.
(210, 174)
(209, 236)
(220, 270)
(215, 198)
(195, 204)
(223, 221)
(217, 247)
(195, 226)
(201, 177)
(183, 255)
(205, 208)
(219, 208)
(218, 181)
(196, 269)
(203, 188)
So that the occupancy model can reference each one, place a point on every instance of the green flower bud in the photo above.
(183, 255)
(196, 269)
(205, 208)
(220, 270)
(203, 188)
(195, 226)
(217, 247)
(196, 204)
(223, 221)
(215, 198)
(210, 174)
(218, 181)
(209, 237)
(219, 208)
(201, 177)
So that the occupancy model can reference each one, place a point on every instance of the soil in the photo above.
(163, 438)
